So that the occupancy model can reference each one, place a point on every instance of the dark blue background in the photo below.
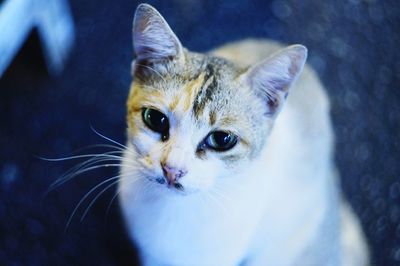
(352, 44)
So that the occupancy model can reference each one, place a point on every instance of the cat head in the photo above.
(196, 119)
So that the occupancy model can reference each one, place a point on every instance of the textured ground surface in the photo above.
(353, 45)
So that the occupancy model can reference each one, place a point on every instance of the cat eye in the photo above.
(155, 120)
(221, 140)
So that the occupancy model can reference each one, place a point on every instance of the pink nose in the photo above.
(172, 174)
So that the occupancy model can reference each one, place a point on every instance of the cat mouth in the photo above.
(176, 186)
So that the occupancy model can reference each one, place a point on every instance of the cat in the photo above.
(229, 157)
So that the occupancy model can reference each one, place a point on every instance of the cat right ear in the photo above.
(153, 39)
(272, 78)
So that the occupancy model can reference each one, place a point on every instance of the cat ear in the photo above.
(272, 77)
(153, 39)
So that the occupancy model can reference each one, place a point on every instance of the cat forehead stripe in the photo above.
(206, 91)
(193, 87)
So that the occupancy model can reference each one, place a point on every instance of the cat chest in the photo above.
(194, 234)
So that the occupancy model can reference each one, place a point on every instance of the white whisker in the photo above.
(220, 192)
(76, 170)
(118, 191)
(96, 197)
(65, 179)
(86, 196)
(82, 156)
(213, 197)
(109, 139)
(112, 200)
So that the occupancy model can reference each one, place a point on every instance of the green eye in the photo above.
(221, 141)
(155, 120)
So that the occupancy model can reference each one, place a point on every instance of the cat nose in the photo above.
(172, 174)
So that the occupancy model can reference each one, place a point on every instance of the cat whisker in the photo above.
(112, 200)
(109, 139)
(95, 198)
(115, 180)
(148, 186)
(89, 147)
(211, 197)
(84, 166)
(145, 188)
(117, 149)
(115, 157)
(94, 158)
(78, 156)
(219, 201)
(118, 191)
(220, 191)
(65, 179)
(120, 146)
(86, 196)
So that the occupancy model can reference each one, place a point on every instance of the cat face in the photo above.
(194, 119)
(199, 123)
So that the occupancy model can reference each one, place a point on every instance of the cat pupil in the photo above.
(221, 141)
(156, 121)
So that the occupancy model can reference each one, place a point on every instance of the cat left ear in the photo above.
(153, 39)
(271, 79)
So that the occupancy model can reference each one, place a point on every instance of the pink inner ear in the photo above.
(271, 79)
(271, 85)
(279, 84)
(297, 62)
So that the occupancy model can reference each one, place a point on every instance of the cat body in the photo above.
(270, 199)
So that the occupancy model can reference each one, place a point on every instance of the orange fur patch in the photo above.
(137, 97)
(191, 91)
(213, 118)
(227, 121)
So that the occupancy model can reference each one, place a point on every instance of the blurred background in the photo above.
(47, 108)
